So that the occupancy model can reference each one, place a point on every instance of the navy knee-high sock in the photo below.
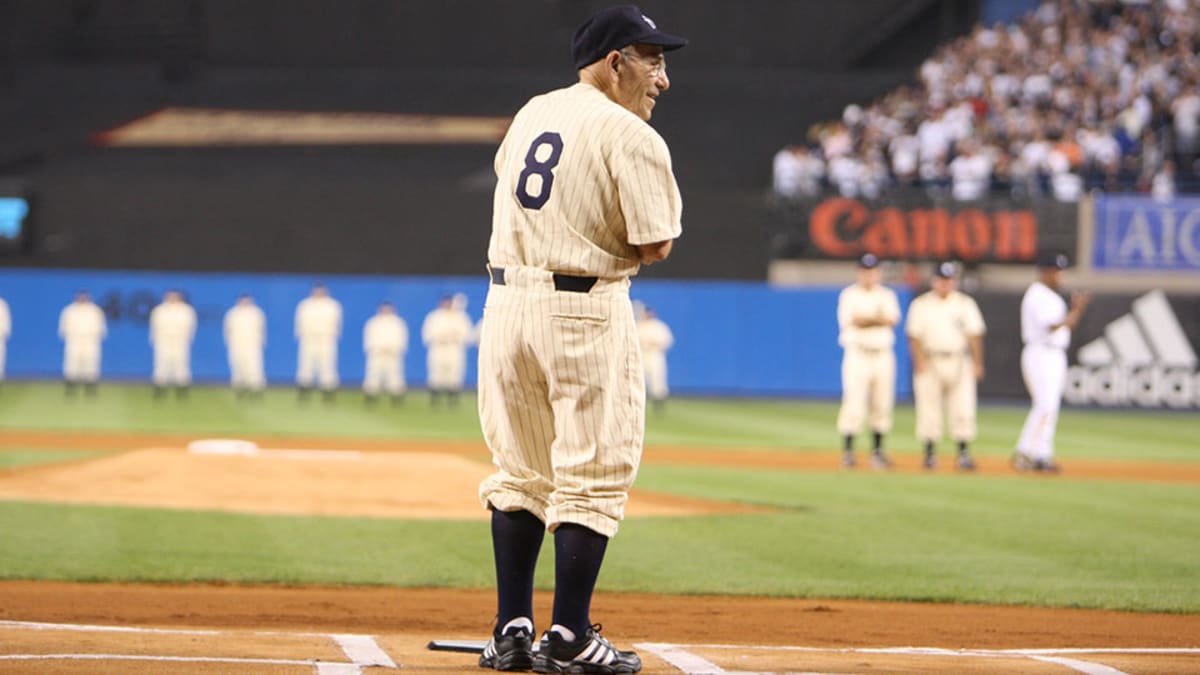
(516, 540)
(578, 553)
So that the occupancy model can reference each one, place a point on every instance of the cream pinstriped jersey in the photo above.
(857, 302)
(581, 181)
(944, 324)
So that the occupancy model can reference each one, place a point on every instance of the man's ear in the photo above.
(612, 60)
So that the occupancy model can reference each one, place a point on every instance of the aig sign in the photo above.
(1139, 233)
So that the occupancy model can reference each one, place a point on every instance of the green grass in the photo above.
(12, 458)
(1002, 539)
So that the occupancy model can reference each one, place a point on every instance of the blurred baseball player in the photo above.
(82, 327)
(318, 328)
(655, 338)
(867, 314)
(585, 193)
(172, 328)
(385, 341)
(245, 336)
(446, 333)
(1046, 325)
(945, 338)
(5, 331)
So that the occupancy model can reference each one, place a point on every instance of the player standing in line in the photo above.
(82, 327)
(245, 336)
(172, 328)
(385, 341)
(446, 333)
(5, 331)
(945, 338)
(1046, 325)
(867, 314)
(655, 338)
(318, 328)
(585, 193)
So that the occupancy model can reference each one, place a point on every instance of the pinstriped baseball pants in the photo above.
(561, 399)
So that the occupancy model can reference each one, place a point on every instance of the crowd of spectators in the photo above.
(1077, 95)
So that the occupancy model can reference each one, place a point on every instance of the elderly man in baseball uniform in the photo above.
(585, 194)
(82, 327)
(172, 328)
(385, 341)
(446, 333)
(945, 338)
(245, 337)
(655, 338)
(1046, 325)
(867, 313)
(318, 328)
(5, 331)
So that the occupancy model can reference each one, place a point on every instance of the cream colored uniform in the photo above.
(942, 329)
(869, 360)
(385, 341)
(446, 333)
(655, 339)
(172, 327)
(82, 327)
(245, 336)
(318, 327)
(5, 331)
(581, 182)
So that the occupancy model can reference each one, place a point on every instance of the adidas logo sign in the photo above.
(1143, 359)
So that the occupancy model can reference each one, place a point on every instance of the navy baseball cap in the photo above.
(615, 28)
(945, 270)
(868, 261)
(1053, 259)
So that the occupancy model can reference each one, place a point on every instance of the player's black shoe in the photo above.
(1022, 461)
(1046, 466)
(510, 651)
(880, 461)
(965, 463)
(588, 654)
(930, 461)
(848, 461)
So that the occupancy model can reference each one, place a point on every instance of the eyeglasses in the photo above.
(653, 70)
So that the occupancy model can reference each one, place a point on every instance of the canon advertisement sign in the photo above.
(1144, 356)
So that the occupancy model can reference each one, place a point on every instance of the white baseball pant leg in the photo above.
(246, 367)
(656, 375)
(868, 388)
(81, 361)
(1045, 372)
(561, 400)
(383, 373)
(172, 365)
(318, 363)
(3, 353)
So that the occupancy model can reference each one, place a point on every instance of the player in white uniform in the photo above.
(5, 331)
(1046, 325)
(172, 328)
(867, 314)
(446, 333)
(245, 337)
(945, 338)
(385, 341)
(318, 328)
(655, 338)
(82, 327)
(585, 193)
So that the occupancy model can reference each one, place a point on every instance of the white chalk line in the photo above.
(690, 662)
(362, 650)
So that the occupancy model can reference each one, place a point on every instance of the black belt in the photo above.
(562, 282)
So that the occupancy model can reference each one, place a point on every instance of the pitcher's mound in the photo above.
(242, 477)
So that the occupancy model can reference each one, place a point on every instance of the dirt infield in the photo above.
(48, 627)
(675, 634)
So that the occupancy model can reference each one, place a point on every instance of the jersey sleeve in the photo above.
(649, 196)
(913, 325)
(973, 318)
